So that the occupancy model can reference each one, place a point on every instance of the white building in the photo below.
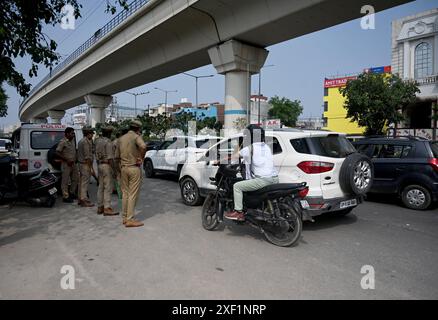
(415, 56)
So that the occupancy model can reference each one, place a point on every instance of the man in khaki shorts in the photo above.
(85, 159)
(66, 151)
(131, 152)
(105, 161)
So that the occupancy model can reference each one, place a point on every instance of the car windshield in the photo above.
(206, 143)
(434, 147)
(332, 146)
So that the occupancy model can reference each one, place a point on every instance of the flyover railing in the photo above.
(132, 8)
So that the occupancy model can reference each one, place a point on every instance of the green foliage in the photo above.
(3, 100)
(375, 101)
(286, 110)
(435, 112)
(21, 34)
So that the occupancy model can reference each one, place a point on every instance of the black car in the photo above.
(406, 166)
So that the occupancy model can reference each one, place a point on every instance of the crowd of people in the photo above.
(118, 168)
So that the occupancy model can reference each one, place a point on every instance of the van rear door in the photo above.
(40, 141)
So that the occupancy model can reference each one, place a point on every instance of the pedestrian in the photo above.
(85, 159)
(116, 167)
(105, 161)
(66, 151)
(131, 151)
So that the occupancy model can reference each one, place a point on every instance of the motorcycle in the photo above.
(35, 188)
(274, 210)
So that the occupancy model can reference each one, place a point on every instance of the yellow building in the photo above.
(334, 111)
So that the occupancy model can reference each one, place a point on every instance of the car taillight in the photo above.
(434, 163)
(303, 192)
(23, 165)
(314, 167)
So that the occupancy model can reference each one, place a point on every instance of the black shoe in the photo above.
(67, 200)
(74, 197)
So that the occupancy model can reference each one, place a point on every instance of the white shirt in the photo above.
(262, 161)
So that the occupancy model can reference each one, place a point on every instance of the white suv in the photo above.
(336, 174)
(170, 156)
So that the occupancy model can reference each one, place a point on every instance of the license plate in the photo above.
(304, 204)
(348, 203)
(53, 191)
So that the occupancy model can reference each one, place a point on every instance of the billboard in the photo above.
(339, 82)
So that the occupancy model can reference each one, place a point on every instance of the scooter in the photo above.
(274, 210)
(35, 188)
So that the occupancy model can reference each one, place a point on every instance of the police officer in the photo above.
(85, 159)
(131, 151)
(105, 161)
(66, 151)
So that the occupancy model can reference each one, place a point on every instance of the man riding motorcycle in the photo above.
(260, 171)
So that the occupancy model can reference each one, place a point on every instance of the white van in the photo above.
(32, 142)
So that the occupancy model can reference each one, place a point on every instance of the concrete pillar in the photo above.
(56, 116)
(237, 61)
(97, 104)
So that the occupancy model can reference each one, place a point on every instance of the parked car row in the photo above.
(336, 175)
(339, 173)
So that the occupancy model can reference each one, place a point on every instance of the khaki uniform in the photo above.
(69, 173)
(85, 157)
(104, 153)
(116, 168)
(131, 177)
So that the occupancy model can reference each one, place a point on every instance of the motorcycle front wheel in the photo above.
(209, 214)
(286, 230)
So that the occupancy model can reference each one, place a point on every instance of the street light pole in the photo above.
(165, 97)
(260, 86)
(196, 82)
(135, 98)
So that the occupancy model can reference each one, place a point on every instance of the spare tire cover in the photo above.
(53, 159)
(357, 174)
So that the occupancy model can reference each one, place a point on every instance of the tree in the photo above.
(3, 100)
(182, 120)
(375, 101)
(21, 34)
(286, 110)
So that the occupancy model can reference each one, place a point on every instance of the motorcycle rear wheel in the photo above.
(209, 214)
(285, 232)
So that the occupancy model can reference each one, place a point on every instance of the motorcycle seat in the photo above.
(276, 187)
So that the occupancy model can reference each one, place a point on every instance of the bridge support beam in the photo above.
(39, 120)
(56, 116)
(237, 61)
(97, 104)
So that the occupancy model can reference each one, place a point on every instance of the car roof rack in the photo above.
(408, 137)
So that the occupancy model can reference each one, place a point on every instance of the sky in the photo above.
(299, 65)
